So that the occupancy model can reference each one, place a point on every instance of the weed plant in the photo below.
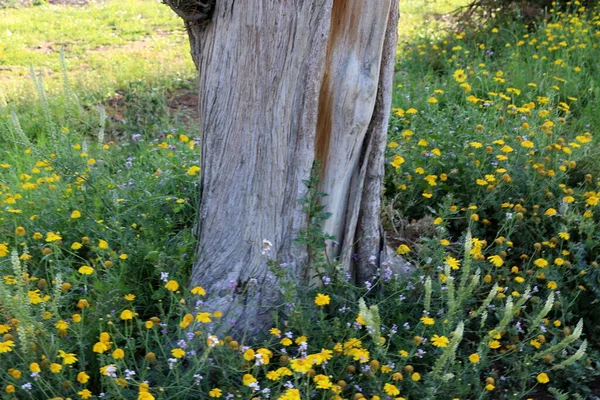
(492, 140)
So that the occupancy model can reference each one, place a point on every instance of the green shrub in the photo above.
(452, 333)
(492, 190)
(501, 135)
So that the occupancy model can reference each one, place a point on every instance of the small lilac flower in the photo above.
(266, 247)
(255, 386)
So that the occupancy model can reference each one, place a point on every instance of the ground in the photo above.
(491, 193)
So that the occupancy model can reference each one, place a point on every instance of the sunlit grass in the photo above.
(110, 44)
(107, 45)
(491, 195)
(420, 17)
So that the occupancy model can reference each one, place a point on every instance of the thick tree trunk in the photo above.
(282, 85)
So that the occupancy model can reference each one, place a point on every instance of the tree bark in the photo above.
(284, 84)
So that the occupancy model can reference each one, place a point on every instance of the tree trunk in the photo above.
(284, 84)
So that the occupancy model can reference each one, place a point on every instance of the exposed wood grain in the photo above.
(261, 65)
(282, 84)
(347, 102)
(370, 249)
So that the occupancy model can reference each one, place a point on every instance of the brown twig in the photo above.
(195, 15)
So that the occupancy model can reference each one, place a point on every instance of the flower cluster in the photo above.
(492, 186)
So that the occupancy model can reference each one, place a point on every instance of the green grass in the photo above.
(110, 44)
(491, 192)
(107, 45)
(423, 17)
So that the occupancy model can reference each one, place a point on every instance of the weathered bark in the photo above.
(359, 227)
(282, 85)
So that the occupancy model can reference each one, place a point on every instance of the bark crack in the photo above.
(283, 84)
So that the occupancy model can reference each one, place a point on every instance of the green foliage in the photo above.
(525, 11)
(313, 236)
(108, 45)
(500, 135)
(354, 339)
(138, 195)
(145, 110)
(97, 238)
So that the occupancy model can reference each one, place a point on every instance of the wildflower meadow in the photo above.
(491, 204)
